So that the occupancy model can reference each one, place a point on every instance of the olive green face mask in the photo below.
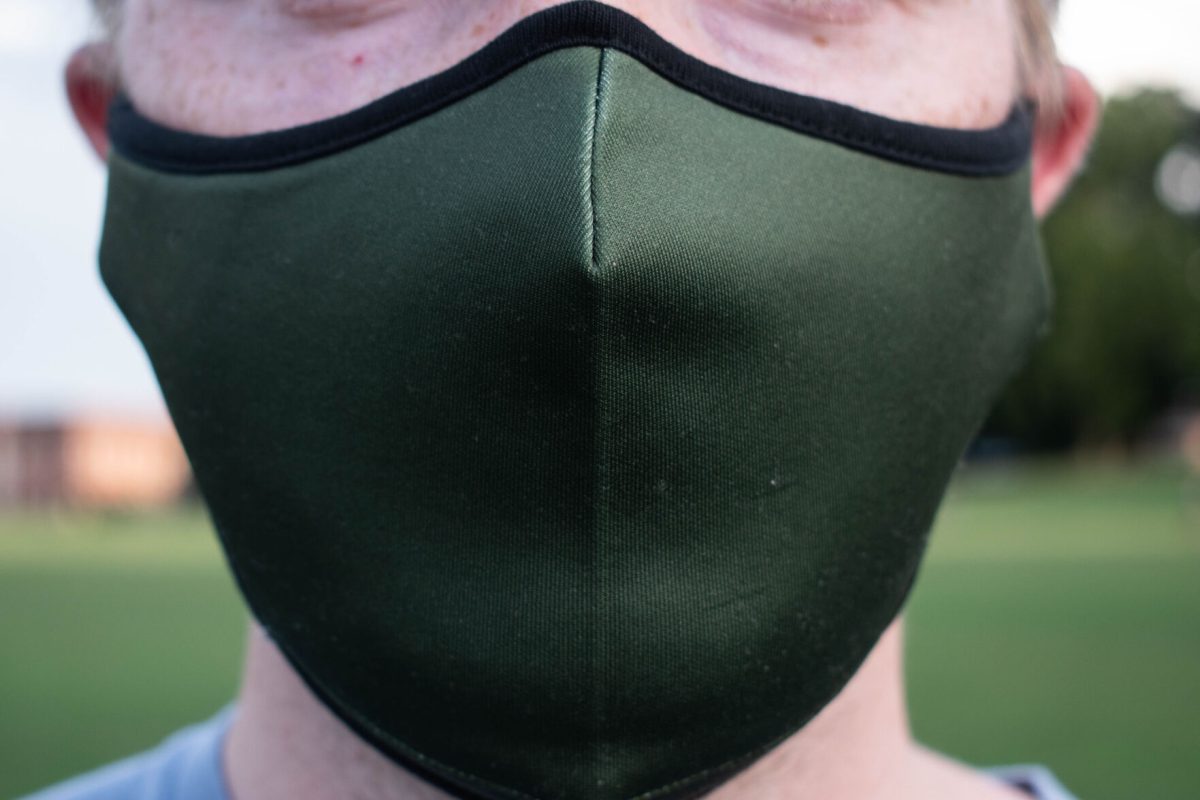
(573, 420)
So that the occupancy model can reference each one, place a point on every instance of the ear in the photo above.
(91, 85)
(1060, 143)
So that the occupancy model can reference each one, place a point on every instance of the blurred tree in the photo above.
(1125, 265)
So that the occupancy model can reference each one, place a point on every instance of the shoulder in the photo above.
(946, 776)
(1035, 780)
(185, 766)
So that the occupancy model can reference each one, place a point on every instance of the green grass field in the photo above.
(1056, 620)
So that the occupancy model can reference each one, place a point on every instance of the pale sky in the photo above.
(63, 346)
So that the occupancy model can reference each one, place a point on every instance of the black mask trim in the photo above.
(993, 151)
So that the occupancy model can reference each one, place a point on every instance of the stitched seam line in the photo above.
(592, 154)
(598, 670)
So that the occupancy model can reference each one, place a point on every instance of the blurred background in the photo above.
(1057, 619)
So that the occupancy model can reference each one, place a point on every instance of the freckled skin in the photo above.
(256, 65)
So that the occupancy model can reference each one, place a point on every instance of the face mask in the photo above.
(573, 420)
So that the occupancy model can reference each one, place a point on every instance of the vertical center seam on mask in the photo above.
(595, 266)
(599, 664)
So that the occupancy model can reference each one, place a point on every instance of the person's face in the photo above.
(255, 65)
(235, 67)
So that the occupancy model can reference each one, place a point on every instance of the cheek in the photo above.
(231, 69)
(939, 62)
(174, 60)
(959, 67)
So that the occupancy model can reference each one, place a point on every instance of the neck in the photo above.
(858, 746)
(284, 744)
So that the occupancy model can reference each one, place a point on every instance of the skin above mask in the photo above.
(232, 69)
(573, 419)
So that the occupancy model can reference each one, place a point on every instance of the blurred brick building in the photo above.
(91, 463)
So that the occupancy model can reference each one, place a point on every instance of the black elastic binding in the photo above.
(994, 151)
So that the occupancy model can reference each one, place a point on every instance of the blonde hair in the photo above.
(108, 12)
(1037, 56)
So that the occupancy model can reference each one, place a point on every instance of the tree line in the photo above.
(1124, 255)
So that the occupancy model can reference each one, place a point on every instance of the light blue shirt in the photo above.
(187, 766)
(184, 766)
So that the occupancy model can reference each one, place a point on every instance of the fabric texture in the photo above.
(187, 766)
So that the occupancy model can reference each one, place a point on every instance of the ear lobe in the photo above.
(1061, 143)
(90, 80)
